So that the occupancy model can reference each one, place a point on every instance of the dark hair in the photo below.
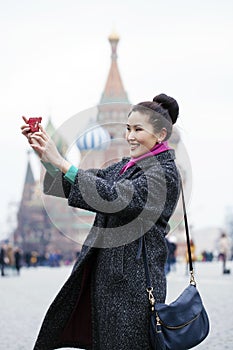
(163, 112)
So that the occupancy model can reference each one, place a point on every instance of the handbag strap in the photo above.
(143, 248)
(190, 261)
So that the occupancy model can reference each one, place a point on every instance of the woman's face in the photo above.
(140, 134)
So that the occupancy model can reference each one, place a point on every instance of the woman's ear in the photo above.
(162, 135)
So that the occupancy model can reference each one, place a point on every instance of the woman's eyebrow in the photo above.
(134, 125)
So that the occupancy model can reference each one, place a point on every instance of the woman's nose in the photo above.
(131, 135)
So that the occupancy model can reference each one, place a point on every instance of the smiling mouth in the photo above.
(134, 146)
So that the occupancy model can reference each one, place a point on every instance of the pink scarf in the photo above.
(158, 148)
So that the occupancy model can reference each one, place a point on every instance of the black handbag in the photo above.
(184, 323)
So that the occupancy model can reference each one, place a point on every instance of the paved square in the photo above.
(24, 300)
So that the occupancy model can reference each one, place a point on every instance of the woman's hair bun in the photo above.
(170, 104)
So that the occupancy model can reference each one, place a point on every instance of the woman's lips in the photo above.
(133, 146)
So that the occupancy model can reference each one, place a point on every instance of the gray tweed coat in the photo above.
(104, 304)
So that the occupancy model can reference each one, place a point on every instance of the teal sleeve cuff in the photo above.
(51, 169)
(71, 174)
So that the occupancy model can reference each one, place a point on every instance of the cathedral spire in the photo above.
(29, 182)
(114, 90)
(29, 179)
(114, 39)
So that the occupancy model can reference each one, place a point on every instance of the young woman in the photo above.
(104, 304)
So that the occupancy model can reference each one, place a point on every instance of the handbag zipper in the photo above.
(159, 321)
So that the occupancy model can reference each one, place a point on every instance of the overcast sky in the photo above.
(55, 58)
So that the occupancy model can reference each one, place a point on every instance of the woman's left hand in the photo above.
(46, 148)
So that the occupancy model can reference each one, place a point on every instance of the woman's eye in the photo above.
(136, 129)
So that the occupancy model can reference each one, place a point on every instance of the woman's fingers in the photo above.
(42, 129)
(25, 129)
(43, 135)
(40, 138)
(37, 141)
(25, 119)
(41, 142)
(37, 148)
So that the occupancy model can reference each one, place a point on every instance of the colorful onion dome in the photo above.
(96, 137)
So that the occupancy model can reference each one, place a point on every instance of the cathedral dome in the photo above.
(95, 137)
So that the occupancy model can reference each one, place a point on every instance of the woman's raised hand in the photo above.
(26, 131)
(45, 147)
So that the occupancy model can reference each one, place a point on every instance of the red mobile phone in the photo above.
(33, 123)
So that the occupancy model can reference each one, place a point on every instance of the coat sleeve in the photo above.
(128, 197)
(56, 186)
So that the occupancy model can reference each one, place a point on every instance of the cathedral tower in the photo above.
(114, 103)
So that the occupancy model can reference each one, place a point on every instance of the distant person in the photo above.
(34, 259)
(171, 257)
(27, 258)
(193, 255)
(18, 260)
(2, 259)
(224, 250)
(172, 251)
(10, 256)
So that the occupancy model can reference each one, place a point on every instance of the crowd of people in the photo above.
(221, 253)
(12, 259)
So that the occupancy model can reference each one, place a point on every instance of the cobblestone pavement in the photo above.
(24, 300)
